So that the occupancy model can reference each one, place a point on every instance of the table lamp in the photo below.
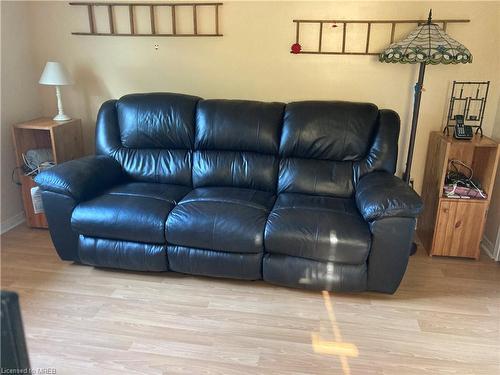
(427, 44)
(56, 74)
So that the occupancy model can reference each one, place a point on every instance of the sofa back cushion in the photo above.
(154, 138)
(320, 148)
(320, 143)
(237, 144)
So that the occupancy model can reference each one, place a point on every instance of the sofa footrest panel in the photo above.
(134, 256)
(304, 273)
(215, 263)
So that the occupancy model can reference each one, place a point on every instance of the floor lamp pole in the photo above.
(414, 121)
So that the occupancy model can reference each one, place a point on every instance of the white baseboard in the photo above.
(12, 222)
(489, 248)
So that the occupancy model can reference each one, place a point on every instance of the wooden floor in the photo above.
(444, 319)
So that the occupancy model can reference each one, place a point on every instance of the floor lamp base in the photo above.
(413, 248)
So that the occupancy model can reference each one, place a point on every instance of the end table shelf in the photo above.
(63, 138)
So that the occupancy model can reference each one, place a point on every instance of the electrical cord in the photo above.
(456, 178)
(28, 171)
(13, 174)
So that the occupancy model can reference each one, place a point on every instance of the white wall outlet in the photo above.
(156, 45)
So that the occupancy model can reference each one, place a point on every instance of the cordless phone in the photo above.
(462, 131)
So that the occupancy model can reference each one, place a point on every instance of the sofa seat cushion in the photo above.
(130, 212)
(318, 228)
(222, 219)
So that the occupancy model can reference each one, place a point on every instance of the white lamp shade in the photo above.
(55, 74)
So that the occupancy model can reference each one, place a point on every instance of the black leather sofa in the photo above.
(300, 195)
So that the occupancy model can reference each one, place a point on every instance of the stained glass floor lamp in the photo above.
(427, 44)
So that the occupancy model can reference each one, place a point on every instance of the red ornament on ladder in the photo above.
(296, 48)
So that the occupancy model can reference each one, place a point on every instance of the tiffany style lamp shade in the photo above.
(427, 44)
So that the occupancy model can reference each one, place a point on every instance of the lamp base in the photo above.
(62, 117)
(413, 248)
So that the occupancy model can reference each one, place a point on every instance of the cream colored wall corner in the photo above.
(252, 61)
(19, 98)
(491, 240)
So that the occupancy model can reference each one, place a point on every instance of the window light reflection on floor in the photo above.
(342, 349)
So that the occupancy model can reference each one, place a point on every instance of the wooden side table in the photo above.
(65, 141)
(450, 226)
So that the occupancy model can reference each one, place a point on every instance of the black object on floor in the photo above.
(413, 248)
(14, 356)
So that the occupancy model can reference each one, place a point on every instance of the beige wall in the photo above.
(252, 61)
(19, 98)
(492, 228)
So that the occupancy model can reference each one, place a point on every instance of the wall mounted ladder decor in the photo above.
(343, 27)
(154, 11)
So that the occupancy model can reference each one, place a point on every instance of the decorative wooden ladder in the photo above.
(335, 23)
(153, 7)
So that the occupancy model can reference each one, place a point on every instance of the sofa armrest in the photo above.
(381, 195)
(81, 179)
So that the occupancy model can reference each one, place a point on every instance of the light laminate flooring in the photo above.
(444, 319)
